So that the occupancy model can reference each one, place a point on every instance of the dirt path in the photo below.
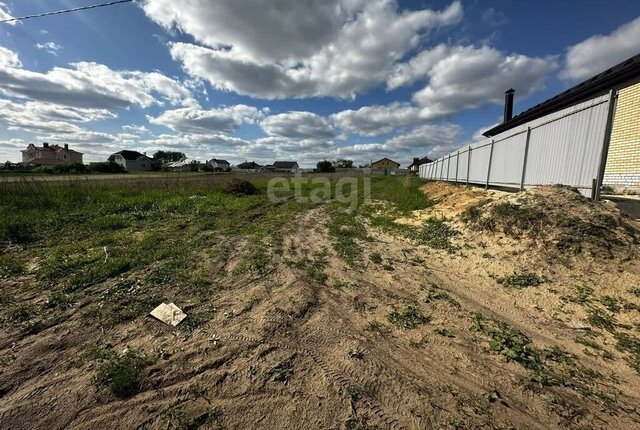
(301, 351)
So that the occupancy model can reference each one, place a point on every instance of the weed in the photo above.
(444, 332)
(597, 317)
(258, 261)
(630, 344)
(376, 258)
(635, 292)
(582, 296)
(17, 231)
(409, 318)
(510, 218)
(509, 342)
(584, 340)
(356, 352)
(59, 300)
(436, 234)
(434, 293)
(313, 268)
(283, 372)
(377, 327)
(347, 230)
(611, 303)
(122, 373)
(10, 266)
(196, 319)
(22, 313)
(521, 280)
(354, 392)
(388, 267)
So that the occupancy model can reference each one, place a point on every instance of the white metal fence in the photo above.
(567, 147)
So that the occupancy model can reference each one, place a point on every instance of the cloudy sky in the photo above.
(302, 80)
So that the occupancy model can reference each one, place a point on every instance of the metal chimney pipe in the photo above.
(508, 105)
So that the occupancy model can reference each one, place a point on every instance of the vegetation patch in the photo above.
(312, 267)
(122, 374)
(436, 234)
(434, 294)
(598, 317)
(10, 266)
(408, 318)
(630, 344)
(345, 228)
(521, 280)
(510, 218)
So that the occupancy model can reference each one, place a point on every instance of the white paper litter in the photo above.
(168, 314)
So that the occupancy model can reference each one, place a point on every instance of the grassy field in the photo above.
(74, 234)
(300, 311)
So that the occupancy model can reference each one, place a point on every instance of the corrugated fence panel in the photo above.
(576, 144)
(507, 160)
(462, 165)
(564, 148)
(480, 163)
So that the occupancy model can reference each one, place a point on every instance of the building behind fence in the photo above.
(564, 140)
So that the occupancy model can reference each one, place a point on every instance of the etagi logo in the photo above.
(348, 190)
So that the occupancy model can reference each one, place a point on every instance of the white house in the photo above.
(131, 160)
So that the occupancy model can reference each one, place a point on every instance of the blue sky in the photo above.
(264, 80)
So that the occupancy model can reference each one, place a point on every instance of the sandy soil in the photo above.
(283, 358)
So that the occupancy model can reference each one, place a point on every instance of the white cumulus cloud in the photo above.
(296, 48)
(598, 53)
(200, 121)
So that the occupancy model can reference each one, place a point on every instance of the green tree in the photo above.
(169, 156)
(325, 167)
(343, 163)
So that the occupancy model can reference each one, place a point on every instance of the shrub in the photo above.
(18, 231)
(122, 373)
(242, 187)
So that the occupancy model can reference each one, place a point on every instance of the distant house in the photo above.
(283, 166)
(385, 163)
(417, 162)
(49, 155)
(219, 165)
(131, 160)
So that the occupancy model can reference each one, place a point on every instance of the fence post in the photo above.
(468, 164)
(457, 162)
(613, 96)
(526, 155)
(448, 167)
(489, 167)
(441, 168)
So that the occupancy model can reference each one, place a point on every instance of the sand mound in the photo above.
(558, 217)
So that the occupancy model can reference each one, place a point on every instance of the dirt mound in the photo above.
(452, 200)
(559, 218)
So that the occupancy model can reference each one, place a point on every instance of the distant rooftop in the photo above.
(129, 155)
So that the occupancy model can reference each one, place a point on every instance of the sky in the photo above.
(304, 80)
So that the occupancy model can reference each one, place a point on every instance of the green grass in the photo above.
(10, 266)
